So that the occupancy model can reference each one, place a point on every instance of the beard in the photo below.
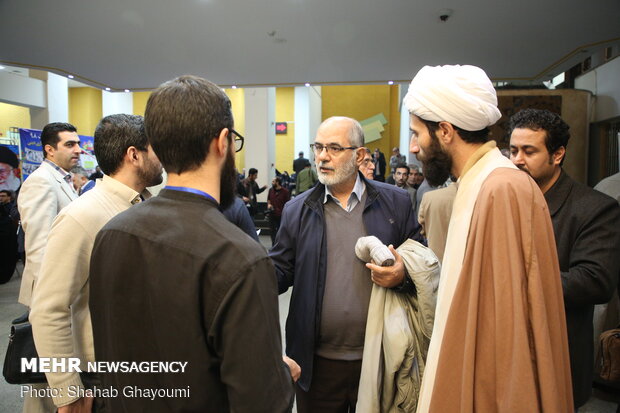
(228, 182)
(341, 174)
(11, 183)
(436, 162)
(151, 174)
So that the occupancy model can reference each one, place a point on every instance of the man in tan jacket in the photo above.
(60, 315)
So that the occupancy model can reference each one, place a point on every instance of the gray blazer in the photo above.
(42, 196)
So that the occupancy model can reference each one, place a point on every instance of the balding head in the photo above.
(354, 129)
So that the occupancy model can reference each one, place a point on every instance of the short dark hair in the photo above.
(7, 192)
(478, 136)
(402, 165)
(278, 180)
(49, 134)
(114, 135)
(556, 130)
(252, 171)
(182, 117)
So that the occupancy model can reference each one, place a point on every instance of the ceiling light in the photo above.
(234, 87)
(391, 82)
(127, 90)
(107, 88)
(307, 84)
(70, 76)
(2, 67)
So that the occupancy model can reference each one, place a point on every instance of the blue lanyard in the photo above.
(192, 191)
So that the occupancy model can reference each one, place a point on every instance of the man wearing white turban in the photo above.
(499, 341)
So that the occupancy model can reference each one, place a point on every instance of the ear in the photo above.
(49, 149)
(446, 132)
(558, 155)
(221, 143)
(360, 153)
(132, 155)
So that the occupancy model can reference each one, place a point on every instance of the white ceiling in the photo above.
(138, 44)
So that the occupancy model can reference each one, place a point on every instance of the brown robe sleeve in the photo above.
(505, 347)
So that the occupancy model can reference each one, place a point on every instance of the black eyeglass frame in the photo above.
(337, 148)
(237, 138)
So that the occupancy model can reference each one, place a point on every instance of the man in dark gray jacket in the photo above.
(314, 252)
(587, 234)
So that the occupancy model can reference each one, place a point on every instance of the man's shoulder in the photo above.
(586, 200)
(510, 182)
(191, 228)
(88, 205)
(387, 189)
(447, 192)
(42, 173)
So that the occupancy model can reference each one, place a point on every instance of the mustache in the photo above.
(324, 166)
(524, 169)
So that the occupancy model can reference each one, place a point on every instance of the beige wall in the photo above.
(13, 115)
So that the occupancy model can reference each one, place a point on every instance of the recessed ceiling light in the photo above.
(107, 88)
(234, 87)
(2, 67)
(391, 82)
(70, 76)
(127, 90)
(307, 84)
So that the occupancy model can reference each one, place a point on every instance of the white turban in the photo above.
(461, 95)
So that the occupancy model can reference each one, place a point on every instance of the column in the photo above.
(57, 100)
(260, 134)
(308, 117)
(113, 103)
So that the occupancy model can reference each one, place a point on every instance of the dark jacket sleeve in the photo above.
(241, 189)
(245, 222)
(246, 336)
(258, 189)
(283, 251)
(594, 258)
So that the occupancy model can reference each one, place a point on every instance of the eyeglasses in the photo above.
(238, 140)
(332, 148)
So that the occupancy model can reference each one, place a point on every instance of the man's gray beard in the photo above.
(340, 175)
(11, 183)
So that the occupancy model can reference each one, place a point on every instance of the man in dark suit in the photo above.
(380, 165)
(299, 163)
(587, 234)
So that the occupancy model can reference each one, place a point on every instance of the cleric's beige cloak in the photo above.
(499, 341)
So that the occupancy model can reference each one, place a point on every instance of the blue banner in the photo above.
(32, 152)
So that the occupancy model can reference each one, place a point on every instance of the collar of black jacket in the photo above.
(558, 193)
(315, 199)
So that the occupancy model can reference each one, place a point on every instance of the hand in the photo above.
(264, 187)
(293, 367)
(82, 405)
(246, 199)
(388, 277)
